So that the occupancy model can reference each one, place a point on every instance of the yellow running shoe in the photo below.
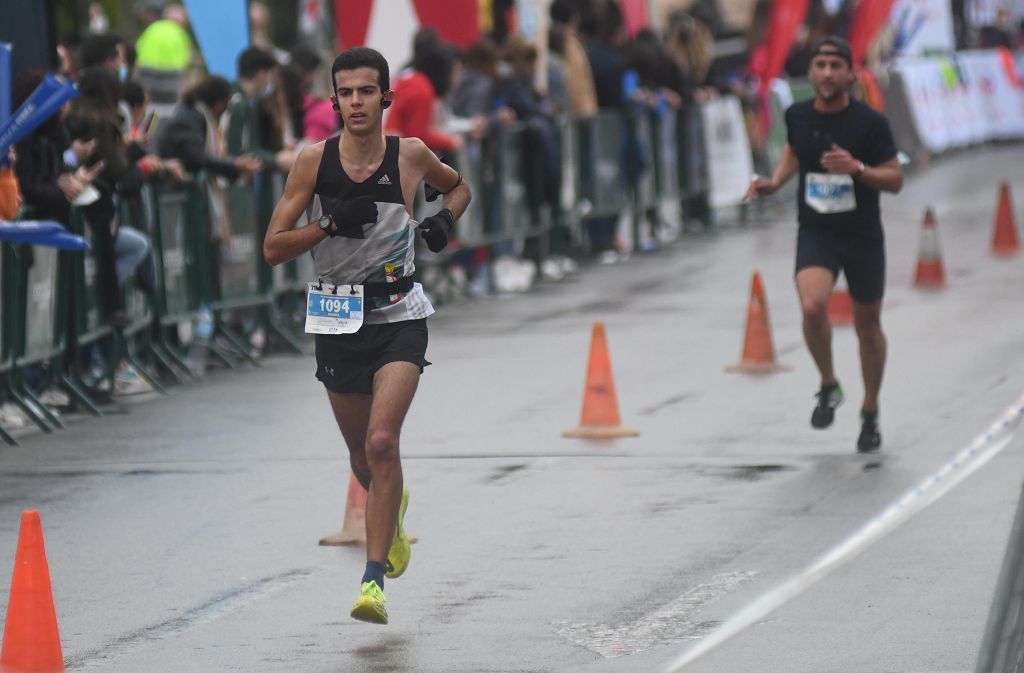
(398, 555)
(370, 606)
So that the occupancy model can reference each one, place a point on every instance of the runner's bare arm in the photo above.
(444, 178)
(887, 176)
(784, 170)
(283, 240)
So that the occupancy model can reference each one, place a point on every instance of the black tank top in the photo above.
(387, 251)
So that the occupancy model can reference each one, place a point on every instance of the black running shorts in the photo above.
(861, 259)
(346, 363)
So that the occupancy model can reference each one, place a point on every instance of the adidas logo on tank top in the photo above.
(385, 180)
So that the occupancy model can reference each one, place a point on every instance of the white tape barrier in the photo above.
(983, 449)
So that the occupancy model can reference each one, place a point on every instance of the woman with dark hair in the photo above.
(119, 249)
(416, 95)
(191, 134)
(313, 117)
(47, 185)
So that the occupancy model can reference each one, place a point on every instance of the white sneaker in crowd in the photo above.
(54, 397)
(130, 382)
(550, 269)
(608, 257)
(11, 417)
(568, 265)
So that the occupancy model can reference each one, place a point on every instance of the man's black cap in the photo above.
(833, 45)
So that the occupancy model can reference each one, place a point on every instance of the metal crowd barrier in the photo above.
(60, 297)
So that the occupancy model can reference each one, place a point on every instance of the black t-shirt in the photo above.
(861, 131)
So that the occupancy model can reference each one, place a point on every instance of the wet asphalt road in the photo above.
(181, 536)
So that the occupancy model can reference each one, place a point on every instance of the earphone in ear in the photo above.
(335, 106)
(385, 104)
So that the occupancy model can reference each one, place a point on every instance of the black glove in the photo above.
(350, 216)
(436, 229)
(431, 192)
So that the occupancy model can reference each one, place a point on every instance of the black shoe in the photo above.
(870, 438)
(829, 397)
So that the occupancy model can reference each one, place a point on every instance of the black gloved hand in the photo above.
(436, 228)
(431, 192)
(350, 216)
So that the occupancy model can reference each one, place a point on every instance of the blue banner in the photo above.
(5, 81)
(222, 31)
(48, 97)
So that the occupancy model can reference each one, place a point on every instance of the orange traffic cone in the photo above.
(353, 530)
(930, 273)
(840, 308)
(600, 417)
(31, 639)
(758, 353)
(1005, 242)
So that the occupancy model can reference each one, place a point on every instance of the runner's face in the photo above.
(359, 97)
(830, 76)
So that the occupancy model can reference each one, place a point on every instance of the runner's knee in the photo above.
(381, 448)
(815, 311)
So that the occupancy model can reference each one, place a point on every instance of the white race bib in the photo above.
(334, 309)
(829, 193)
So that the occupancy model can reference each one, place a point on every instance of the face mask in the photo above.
(122, 72)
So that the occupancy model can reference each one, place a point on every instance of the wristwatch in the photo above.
(860, 168)
(326, 224)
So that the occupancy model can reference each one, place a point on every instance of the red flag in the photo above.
(352, 21)
(766, 64)
(868, 19)
(456, 21)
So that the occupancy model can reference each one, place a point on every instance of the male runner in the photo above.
(845, 154)
(362, 186)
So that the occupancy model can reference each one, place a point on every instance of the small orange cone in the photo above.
(758, 353)
(840, 308)
(1005, 242)
(353, 531)
(31, 640)
(600, 417)
(930, 273)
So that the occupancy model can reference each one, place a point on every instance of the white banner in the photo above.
(730, 163)
(961, 103)
(922, 25)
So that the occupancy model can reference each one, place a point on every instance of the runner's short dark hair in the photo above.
(362, 57)
(835, 46)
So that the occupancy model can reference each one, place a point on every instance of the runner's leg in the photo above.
(873, 346)
(814, 286)
(394, 386)
(352, 413)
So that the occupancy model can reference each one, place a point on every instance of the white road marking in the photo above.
(963, 464)
(671, 622)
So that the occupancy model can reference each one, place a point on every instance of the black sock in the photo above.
(375, 572)
(869, 416)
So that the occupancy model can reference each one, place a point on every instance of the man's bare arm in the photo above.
(446, 179)
(284, 241)
(887, 177)
(784, 170)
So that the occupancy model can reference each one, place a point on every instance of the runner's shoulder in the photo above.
(412, 148)
(310, 155)
(800, 109)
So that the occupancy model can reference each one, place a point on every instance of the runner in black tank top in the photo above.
(357, 189)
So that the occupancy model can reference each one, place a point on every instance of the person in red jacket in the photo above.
(416, 95)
